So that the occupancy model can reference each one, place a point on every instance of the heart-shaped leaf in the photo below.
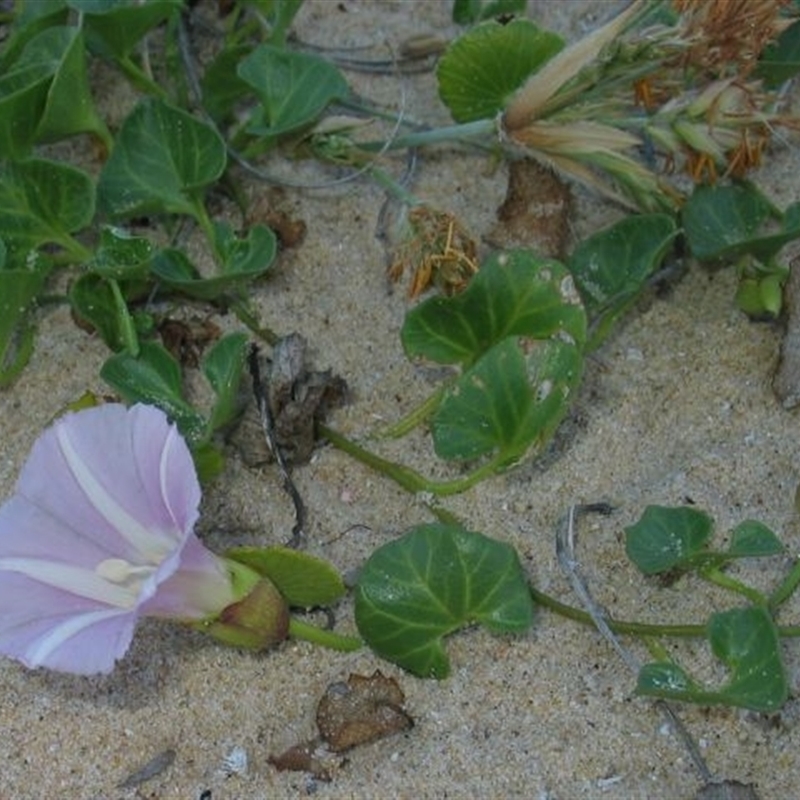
(30, 19)
(482, 69)
(93, 301)
(514, 293)
(727, 221)
(508, 402)
(121, 255)
(223, 365)
(154, 377)
(18, 290)
(432, 581)
(294, 88)
(221, 86)
(244, 260)
(780, 60)
(114, 28)
(305, 581)
(751, 539)
(42, 202)
(667, 538)
(23, 95)
(611, 267)
(746, 641)
(69, 108)
(162, 160)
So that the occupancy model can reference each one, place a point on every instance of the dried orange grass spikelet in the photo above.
(440, 253)
(727, 36)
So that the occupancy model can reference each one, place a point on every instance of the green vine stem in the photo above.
(640, 629)
(334, 641)
(406, 477)
(718, 577)
(414, 417)
(449, 134)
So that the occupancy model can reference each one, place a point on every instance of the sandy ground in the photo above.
(677, 405)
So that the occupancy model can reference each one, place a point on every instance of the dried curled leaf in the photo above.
(362, 710)
(297, 397)
(358, 711)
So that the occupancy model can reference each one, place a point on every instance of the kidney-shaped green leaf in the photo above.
(665, 538)
(162, 160)
(305, 581)
(727, 221)
(753, 539)
(508, 402)
(613, 264)
(294, 88)
(484, 67)
(515, 293)
(746, 641)
(432, 581)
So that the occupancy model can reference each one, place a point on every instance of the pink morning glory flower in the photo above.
(100, 532)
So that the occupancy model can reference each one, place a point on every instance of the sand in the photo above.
(676, 407)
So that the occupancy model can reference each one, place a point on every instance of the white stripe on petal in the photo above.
(79, 581)
(38, 653)
(152, 546)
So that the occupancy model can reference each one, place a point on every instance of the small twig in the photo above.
(268, 426)
(566, 535)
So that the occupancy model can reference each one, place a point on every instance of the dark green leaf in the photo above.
(93, 302)
(432, 581)
(155, 378)
(221, 86)
(23, 95)
(611, 267)
(223, 365)
(305, 581)
(746, 641)
(18, 290)
(752, 538)
(113, 27)
(69, 108)
(42, 202)
(513, 294)
(665, 538)
(662, 679)
(244, 260)
(780, 60)
(294, 88)
(31, 20)
(508, 402)
(121, 255)
(162, 160)
(727, 221)
(482, 69)
(466, 12)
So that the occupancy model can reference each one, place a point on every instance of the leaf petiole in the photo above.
(334, 641)
(715, 575)
(786, 589)
(414, 417)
